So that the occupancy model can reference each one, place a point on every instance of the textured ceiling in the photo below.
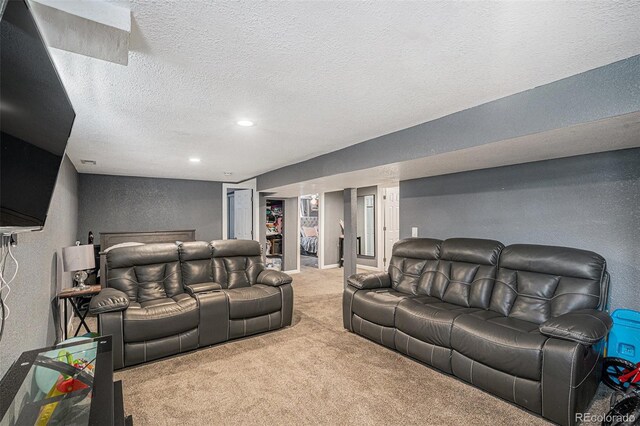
(315, 76)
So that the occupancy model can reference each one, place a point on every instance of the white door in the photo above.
(391, 221)
(243, 214)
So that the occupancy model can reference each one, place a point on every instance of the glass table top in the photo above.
(57, 388)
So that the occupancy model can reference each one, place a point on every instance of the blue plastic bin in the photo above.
(624, 338)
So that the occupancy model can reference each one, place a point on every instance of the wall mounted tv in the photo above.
(36, 117)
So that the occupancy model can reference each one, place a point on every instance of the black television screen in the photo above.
(36, 117)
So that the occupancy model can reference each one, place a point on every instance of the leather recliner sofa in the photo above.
(163, 299)
(524, 322)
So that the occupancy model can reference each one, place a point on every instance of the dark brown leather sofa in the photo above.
(163, 299)
(524, 322)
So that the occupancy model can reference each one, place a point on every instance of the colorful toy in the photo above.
(623, 376)
(54, 383)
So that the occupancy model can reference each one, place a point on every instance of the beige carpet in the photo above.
(313, 372)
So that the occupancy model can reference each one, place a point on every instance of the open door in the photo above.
(391, 221)
(243, 214)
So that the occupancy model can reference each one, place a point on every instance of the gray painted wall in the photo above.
(349, 197)
(125, 203)
(601, 93)
(590, 202)
(30, 324)
(333, 213)
(291, 232)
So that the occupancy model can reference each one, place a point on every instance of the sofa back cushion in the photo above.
(465, 273)
(236, 263)
(144, 273)
(535, 283)
(409, 258)
(196, 262)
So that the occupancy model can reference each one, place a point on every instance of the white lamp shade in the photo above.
(78, 258)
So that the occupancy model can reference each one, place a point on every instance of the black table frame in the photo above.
(102, 401)
(74, 305)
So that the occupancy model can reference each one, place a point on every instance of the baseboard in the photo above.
(367, 267)
(294, 271)
(332, 266)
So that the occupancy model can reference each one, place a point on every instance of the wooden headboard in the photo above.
(110, 239)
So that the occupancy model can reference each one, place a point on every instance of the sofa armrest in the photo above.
(274, 278)
(108, 300)
(194, 289)
(586, 326)
(368, 280)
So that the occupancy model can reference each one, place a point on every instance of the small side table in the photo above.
(70, 295)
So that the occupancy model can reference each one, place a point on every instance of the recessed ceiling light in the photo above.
(245, 123)
(228, 173)
(194, 160)
(89, 162)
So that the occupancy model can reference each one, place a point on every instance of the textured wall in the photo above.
(30, 324)
(124, 203)
(590, 202)
(333, 212)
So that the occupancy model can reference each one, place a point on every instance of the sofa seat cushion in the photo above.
(507, 344)
(257, 300)
(379, 305)
(429, 319)
(158, 318)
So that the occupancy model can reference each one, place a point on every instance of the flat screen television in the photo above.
(36, 118)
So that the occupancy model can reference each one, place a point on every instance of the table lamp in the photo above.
(78, 259)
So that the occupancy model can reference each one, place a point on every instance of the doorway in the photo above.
(309, 230)
(274, 249)
(240, 211)
(240, 214)
(391, 225)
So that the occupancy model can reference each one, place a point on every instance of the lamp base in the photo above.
(81, 287)
(79, 277)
